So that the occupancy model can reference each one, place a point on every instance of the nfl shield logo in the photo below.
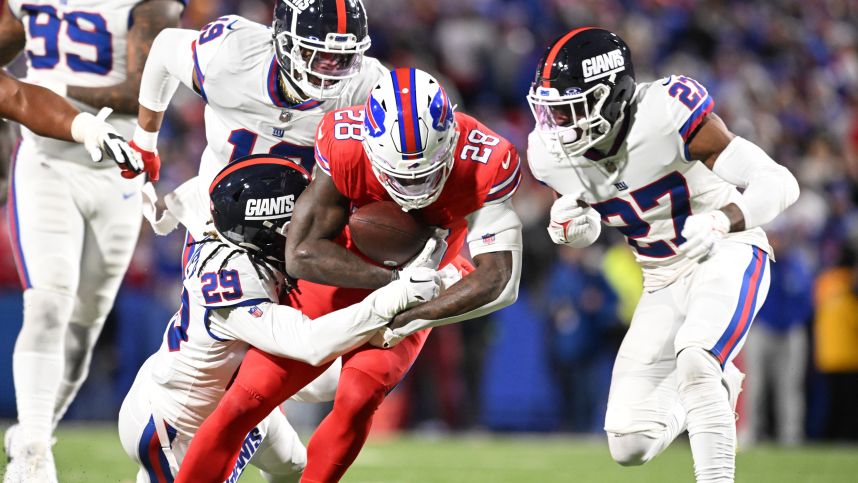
(488, 238)
(255, 311)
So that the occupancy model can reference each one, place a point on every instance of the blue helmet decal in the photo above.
(441, 111)
(374, 117)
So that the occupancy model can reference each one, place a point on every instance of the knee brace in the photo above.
(46, 317)
(632, 449)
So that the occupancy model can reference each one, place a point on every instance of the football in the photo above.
(386, 234)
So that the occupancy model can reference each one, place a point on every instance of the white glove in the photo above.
(100, 139)
(702, 233)
(449, 275)
(419, 286)
(430, 256)
(415, 287)
(573, 225)
(385, 338)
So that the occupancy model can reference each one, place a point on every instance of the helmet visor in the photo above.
(331, 66)
(569, 121)
(416, 187)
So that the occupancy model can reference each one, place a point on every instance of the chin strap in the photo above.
(290, 90)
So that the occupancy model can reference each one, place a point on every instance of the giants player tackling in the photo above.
(407, 145)
(75, 223)
(233, 280)
(653, 160)
(265, 89)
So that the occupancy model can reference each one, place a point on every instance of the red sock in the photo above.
(262, 383)
(341, 435)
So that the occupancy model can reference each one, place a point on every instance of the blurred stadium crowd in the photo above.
(784, 73)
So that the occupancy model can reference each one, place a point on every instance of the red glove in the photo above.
(151, 163)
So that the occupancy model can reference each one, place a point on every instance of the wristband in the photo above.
(81, 125)
(145, 140)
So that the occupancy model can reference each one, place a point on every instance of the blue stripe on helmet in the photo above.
(419, 147)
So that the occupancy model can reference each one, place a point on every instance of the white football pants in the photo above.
(73, 229)
(706, 313)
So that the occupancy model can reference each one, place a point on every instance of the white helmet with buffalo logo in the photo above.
(409, 136)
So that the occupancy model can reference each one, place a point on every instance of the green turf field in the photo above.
(93, 455)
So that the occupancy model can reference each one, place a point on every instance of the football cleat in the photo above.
(11, 441)
(31, 463)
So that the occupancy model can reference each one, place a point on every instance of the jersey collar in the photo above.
(277, 96)
(594, 155)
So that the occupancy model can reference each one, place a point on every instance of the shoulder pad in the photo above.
(538, 155)
(371, 71)
(683, 104)
(213, 281)
(337, 135)
(497, 161)
(224, 44)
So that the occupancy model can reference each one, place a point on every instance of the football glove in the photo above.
(573, 225)
(702, 233)
(429, 256)
(100, 139)
(385, 338)
(146, 143)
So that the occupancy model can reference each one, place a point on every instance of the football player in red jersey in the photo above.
(407, 145)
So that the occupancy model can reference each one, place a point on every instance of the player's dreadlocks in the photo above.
(257, 261)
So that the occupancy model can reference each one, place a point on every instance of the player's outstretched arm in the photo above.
(168, 64)
(37, 108)
(150, 17)
(49, 115)
(320, 215)
(769, 188)
(285, 332)
(12, 36)
(492, 286)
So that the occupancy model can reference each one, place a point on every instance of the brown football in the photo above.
(386, 234)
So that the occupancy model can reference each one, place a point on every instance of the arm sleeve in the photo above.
(493, 228)
(769, 187)
(170, 61)
(286, 332)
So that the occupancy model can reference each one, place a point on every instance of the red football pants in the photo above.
(263, 382)
(368, 375)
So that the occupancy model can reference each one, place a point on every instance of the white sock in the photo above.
(38, 362)
(711, 425)
(37, 378)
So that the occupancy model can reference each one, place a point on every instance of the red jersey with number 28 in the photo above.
(486, 171)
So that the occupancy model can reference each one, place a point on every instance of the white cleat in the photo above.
(31, 463)
(10, 441)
